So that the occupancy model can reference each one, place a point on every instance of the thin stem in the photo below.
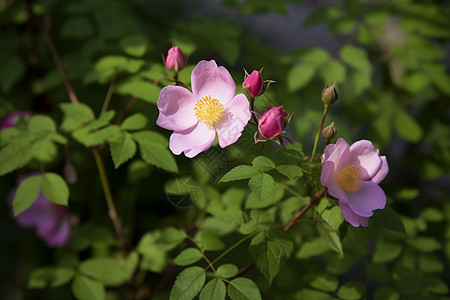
(109, 94)
(109, 200)
(127, 109)
(325, 111)
(234, 246)
(301, 212)
(210, 264)
(252, 108)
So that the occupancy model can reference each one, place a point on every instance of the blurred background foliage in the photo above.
(390, 61)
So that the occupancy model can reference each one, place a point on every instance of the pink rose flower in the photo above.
(272, 122)
(50, 220)
(211, 108)
(9, 120)
(175, 59)
(352, 175)
(254, 83)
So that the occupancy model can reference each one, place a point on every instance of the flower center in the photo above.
(208, 110)
(350, 178)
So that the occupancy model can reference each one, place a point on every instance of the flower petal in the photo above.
(352, 218)
(192, 141)
(368, 198)
(55, 231)
(209, 79)
(236, 116)
(337, 153)
(37, 212)
(384, 170)
(328, 180)
(176, 108)
(364, 156)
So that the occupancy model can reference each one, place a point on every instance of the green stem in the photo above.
(325, 111)
(109, 94)
(210, 264)
(234, 246)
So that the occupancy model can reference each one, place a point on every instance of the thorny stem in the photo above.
(301, 212)
(109, 200)
(325, 111)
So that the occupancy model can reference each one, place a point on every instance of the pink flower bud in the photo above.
(9, 121)
(175, 59)
(254, 83)
(272, 122)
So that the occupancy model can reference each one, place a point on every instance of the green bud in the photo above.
(329, 94)
(329, 132)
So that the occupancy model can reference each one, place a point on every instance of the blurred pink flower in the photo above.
(8, 121)
(352, 175)
(211, 108)
(254, 83)
(273, 122)
(175, 59)
(50, 220)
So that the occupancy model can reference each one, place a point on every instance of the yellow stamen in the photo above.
(349, 178)
(208, 110)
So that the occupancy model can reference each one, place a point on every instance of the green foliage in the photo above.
(188, 284)
(243, 289)
(85, 288)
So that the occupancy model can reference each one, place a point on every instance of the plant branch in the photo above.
(242, 271)
(301, 212)
(109, 94)
(234, 246)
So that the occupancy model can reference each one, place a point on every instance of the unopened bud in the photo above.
(253, 83)
(329, 94)
(273, 122)
(329, 132)
(175, 59)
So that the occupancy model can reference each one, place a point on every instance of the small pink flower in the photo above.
(254, 83)
(175, 59)
(352, 175)
(273, 122)
(50, 220)
(212, 107)
(9, 121)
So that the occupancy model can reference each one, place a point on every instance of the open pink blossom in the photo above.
(50, 220)
(352, 174)
(212, 107)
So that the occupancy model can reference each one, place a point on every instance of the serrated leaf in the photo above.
(188, 284)
(55, 189)
(188, 256)
(26, 193)
(104, 269)
(14, 156)
(243, 289)
(262, 163)
(238, 173)
(151, 137)
(208, 241)
(227, 270)
(330, 236)
(157, 155)
(122, 150)
(134, 122)
(214, 290)
(261, 185)
(87, 289)
(389, 219)
(351, 290)
(299, 76)
(76, 115)
(290, 171)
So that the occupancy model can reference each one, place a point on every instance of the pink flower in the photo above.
(50, 220)
(211, 108)
(352, 175)
(9, 120)
(175, 59)
(272, 122)
(254, 83)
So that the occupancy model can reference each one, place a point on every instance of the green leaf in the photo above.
(188, 256)
(157, 155)
(238, 173)
(14, 156)
(50, 277)
(135, 45)
(386, 293)
(134, 122)
(188, 284)
(424, 243)
(75, 115)
(262, 163)
(312, 294)
(55, 189)
(378, 272)
(389, 219)
(261, 185)
(154, 259)
(356, 57)
(214, 290)
(243, 289)
(290, 171)
(407, 127)
(104, 269)
(26, 194)
(312, 248)
(140, 89)
(351, 290)
(208, 241)
(122, 150)
(299, 76)
(332, 71)
(148, 136)
(87, 289)
(386, 251)
(324, 282)
(227, 270)
(330, 236)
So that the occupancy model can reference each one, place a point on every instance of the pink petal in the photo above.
(176, 108)
(235, 118)
(55, 231)
(384, 170)
(364, 156)
(368, 198)
(352, 218)
(208, 79)
(192, 141)
(328, 180)
(337, 153)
